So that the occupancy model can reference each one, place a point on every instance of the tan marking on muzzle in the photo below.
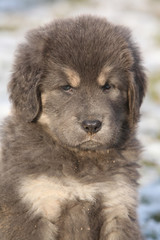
(43, 117)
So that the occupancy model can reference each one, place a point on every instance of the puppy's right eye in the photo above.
(67, 88)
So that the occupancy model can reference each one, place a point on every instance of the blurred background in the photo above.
(143, 18)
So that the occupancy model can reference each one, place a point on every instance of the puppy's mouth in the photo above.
(90, 145)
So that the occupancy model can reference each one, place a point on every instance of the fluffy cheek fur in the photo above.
(64, 120)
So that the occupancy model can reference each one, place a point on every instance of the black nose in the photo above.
(91, 126)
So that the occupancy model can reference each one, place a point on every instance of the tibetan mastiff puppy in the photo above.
(69, 150)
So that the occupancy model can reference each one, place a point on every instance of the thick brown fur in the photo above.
(69, 151)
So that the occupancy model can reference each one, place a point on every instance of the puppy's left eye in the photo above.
(106, 87)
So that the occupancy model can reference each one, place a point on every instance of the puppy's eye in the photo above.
(67, 88)
(106, 87)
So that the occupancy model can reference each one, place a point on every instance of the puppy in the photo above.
(69, 150)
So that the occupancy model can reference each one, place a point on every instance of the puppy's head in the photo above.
(82, 79)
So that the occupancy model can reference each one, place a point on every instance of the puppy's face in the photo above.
(86, 113)
(82, 80)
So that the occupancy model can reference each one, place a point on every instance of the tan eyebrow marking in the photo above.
(103, 75)
(73, 77)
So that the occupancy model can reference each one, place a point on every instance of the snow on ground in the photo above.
(143, 18)
(149, 211)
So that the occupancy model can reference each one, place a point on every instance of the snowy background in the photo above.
(143, 18)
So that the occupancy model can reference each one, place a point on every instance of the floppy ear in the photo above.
(137, 87)
(133, 101)
(137, 76)
(24, 86)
